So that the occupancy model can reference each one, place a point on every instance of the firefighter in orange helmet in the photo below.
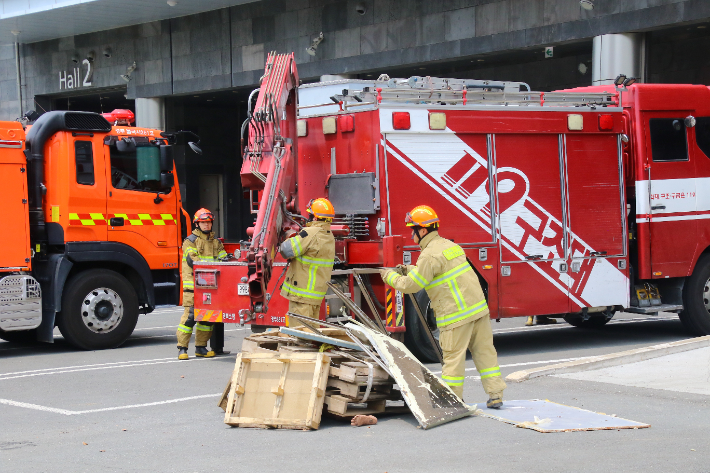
(458, 301)
(200, 245)
(311, 255)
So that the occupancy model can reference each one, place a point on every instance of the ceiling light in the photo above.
(106, 52)
(582, 68)
(15, 32)
(172, 3)
(587, 4)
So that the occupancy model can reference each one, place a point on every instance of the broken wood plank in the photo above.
(355, 391)
(341, 405)
(320, 338)
(354, 372)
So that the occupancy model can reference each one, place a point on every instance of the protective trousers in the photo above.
(300, 308)
(184, 331)
(477, 336)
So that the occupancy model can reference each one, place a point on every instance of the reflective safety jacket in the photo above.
(198, 247)
(452, 285)
(311, 256)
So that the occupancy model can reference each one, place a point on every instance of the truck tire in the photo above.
(594, 320)
(24, 337)
(696, 299)
(415, 338)
(99, 310)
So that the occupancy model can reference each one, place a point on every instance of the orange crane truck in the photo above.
(92, 212)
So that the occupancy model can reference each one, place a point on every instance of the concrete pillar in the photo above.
(150, 113)
(614, 54)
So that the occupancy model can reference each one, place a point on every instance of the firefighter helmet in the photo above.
(203, 215)
(321, 209)
(421, 216)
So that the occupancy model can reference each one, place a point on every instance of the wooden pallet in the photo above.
(356, 391)
(267, 342)
(277, 390)
(343, 407)
(355, 372)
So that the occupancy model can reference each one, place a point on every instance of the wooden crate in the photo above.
(267, 342)
(355, 372)
(344, 407)
(356, 391)
(277, 390)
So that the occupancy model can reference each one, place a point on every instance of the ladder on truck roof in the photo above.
(467, 92)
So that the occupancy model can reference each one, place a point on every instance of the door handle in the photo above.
(116, 222)
(658, 207)
(598, 253)
(533, 257)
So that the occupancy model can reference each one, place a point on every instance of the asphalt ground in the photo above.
(137, 408)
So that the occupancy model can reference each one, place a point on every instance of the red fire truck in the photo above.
(577, 203)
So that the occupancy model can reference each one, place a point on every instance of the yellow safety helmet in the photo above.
(321, 209)
(421, 216)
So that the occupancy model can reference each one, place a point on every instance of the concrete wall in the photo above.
(226, 48)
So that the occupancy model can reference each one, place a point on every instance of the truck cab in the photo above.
(101, 212)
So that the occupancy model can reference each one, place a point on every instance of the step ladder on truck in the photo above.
(576, 203)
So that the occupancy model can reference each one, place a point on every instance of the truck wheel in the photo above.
(99, 310)
(696, 299)
(19, 336)
(415, 338)
(594, 320)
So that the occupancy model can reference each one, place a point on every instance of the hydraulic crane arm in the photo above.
(269, 166)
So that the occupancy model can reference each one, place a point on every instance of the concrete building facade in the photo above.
(204, 64)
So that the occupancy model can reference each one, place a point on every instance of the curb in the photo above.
(612, 359)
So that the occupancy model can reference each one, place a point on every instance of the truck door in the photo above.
(669, 200)
(596, 221)
(141, 214)
(530, 214)
(82, 177)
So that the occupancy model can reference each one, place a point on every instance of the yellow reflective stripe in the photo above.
(461, 314)
(184, 328)
(490, 372)
(188, 284)
(318, 261)
(297, 248)
(191, 249)
(452, 273)
(222, 254)
(453, 252)
(418, 278)
(312, 277)
(456, 292)
(453, 380)
(391, 278)
(203, 328)
(305, 292)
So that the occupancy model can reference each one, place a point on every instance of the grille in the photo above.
(86, 122)
(17, 288)
(358, 225)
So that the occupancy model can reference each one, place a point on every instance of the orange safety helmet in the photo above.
(421, 216)
(203, 215)
(321, 209)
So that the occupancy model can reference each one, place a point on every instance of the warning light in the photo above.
(488, 266)
(657, 273)
(120, 116)
(401, 121)
(606, 122)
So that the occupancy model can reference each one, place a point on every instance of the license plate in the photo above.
(243, 289)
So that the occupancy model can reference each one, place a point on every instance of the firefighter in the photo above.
(540, 320)
(200, 245)
(458, 301)
(311, 255)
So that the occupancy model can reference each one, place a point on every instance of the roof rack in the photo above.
(435, 90)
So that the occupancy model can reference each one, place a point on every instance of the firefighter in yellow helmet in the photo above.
(311, 255)
(200, 245)
(458, 301)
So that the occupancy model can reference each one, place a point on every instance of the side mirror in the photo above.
(195, 147)
(126, 145)
(166, 158)
(167, 180)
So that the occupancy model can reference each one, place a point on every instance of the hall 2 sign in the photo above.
(71, 79)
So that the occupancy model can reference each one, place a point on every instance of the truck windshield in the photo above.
(136, 170)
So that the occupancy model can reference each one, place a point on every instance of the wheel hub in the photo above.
(706, 295)
(102, 310)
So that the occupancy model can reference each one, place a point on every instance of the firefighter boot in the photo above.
(529, 322)
(182, 353)
(545, 320)
(203, 353)
(495, 401)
